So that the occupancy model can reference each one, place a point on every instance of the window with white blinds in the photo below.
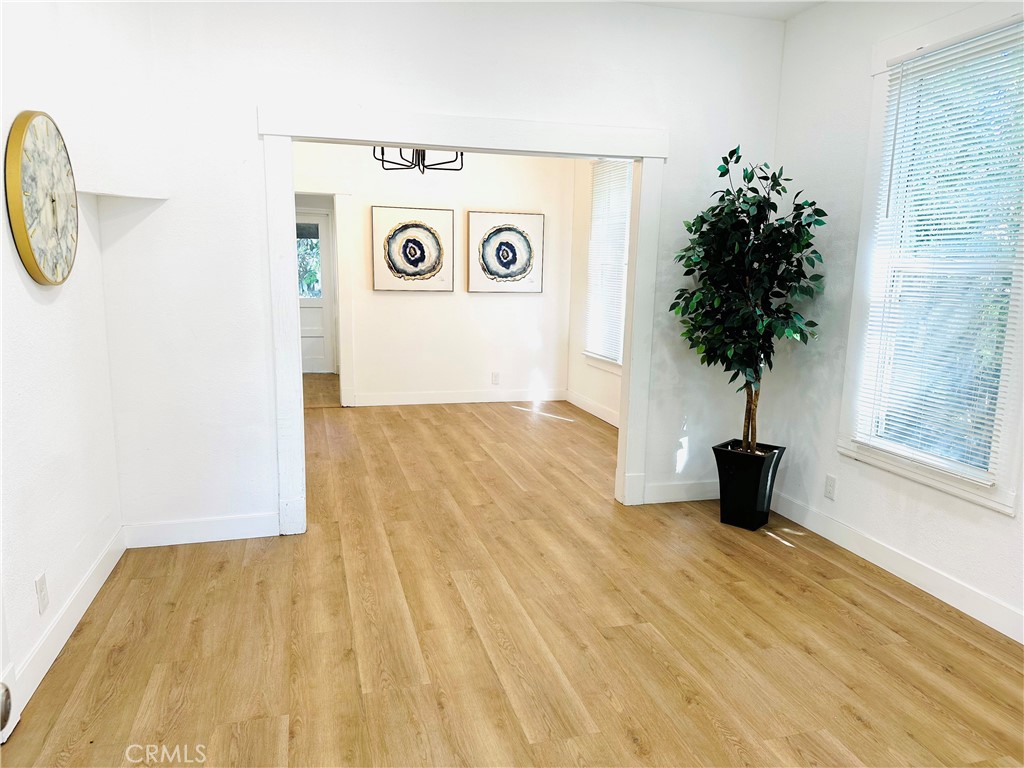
(942, 353)
(609, 250)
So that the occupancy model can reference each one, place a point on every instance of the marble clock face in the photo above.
(48, 226)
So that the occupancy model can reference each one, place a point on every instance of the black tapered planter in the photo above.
(745, 482)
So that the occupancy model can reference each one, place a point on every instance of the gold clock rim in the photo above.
(15, 204)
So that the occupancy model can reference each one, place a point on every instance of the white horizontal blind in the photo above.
(942, 353)
(609, 251)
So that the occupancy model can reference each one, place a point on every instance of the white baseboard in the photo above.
(664, 493)
(594, 408)
(986, 609)
(39, 660)
(348, 396)
(464, 396)
(631, 491)
(293, 516)
(204, 529)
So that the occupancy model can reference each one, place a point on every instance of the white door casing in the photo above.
(317, 314)
(279, 125)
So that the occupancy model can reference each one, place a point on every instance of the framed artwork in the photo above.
(413, 249)
(506, 252)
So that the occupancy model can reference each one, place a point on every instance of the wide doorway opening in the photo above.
(382, 331)
(503, 281)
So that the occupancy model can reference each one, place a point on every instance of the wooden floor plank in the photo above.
(253, 743)
(384, 637)
(543, 699)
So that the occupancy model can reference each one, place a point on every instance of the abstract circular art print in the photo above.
(413, 251)
(506, 253)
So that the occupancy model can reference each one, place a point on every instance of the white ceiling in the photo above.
(756, 10)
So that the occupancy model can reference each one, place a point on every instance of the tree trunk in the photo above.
(746, 416)
(753, 420)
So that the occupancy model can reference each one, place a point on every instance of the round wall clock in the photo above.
(41, 200)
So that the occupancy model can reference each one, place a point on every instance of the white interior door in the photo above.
(314, 246)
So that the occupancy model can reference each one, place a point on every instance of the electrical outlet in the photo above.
(830, 487)
(495, 377)
(42, 595)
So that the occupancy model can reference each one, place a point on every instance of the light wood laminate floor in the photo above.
(321, 390)
(468, 593)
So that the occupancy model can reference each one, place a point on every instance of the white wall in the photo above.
(967, 555)
(420, 347)
(61, 513)
(188, 292)
(593, 385)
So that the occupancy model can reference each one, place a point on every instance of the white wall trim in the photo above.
(277, 127)
(961, 25)
(336, 121)
(985, 608)
(665, 493)
(632, 485)
(39, 660)
(204, 529)
(602, 363)
(593, 407)
(284, 312)
(638, 335)
(998, 496)
(346, 220)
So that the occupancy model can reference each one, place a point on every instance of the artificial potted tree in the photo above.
(750, 265)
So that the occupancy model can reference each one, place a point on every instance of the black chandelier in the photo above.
(415, 158)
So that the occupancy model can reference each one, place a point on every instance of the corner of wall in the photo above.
(986, 609)
(40, 658)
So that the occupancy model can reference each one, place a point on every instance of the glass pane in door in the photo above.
(307, 243)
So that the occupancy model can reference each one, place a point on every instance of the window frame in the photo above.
(592, 357)
(1001, 493)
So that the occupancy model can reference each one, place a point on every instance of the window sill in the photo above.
(996, 497)
(603, 363)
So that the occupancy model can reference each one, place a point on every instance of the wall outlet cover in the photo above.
(42, 595)
(830, 487)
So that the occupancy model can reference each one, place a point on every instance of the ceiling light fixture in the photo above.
(415, 158)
